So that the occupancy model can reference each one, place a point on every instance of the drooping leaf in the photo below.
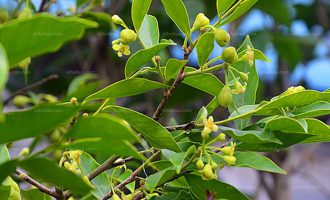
(46, 170)
(224, 5)
(240, 10)
(204, 48)
(101, 182)
(104, 20)
(173, 67)
(125, 88)
(35, 122)
(139, 11)
(159, 178)
(152, 131)
(177, 11)
(43, 33)
(149, 32)
(142, 57)
(199, 188)
(256, 161)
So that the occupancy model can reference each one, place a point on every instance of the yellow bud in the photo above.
(214, 165)
(199, 164)
(117, 20)
(75, 155)
(221, 137)
(243, 76)
(230, 160)
(21, 101)
(24, 152)
(49, 98)
(85, 115)
(239, 88)
(208, 172)
(67, 165)
(229, 55)
(205, 134)
(222, 37)
(127, 36)
(200, 21)
(74, 100)
(225, 97)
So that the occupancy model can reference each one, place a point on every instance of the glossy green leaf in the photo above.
(34, 194)
(82, 86)
(173, 67)
(286, 125)
(177, 11)
(251, 136)
(159, 178)
(15, 193)
(4, 68)
(4, 192)
(35, 122)
(125, 88)
(316, 109)
(151, 130)
(204, 48)
(43, 33)
(212, 105)
(7, 168)
(101, 132)
(142, 57)
(46, 170)
(224, 5)
(199, 188)
(101, 182)
(149, 32)
(4, 154)
(256, 161)
(124, 176)
(320, 129)
(240, 10)
(139, 11)
(203, 113)
(104, 20)
(177, 159)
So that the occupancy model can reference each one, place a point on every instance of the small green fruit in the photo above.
(221, 137)
(208, 172)
(222, 37)
(230, 160)
(225, 97)
(127, 36)
(214, 165)
(243, 76)
(229, 55)
(200, 21)
(21, 101)
(199, 164)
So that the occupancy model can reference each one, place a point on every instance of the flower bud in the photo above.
(25, 152)
(205, 134)
(230, 160)
(85, 115)
(56, 136)
(158, 59)
(49, 98)
(21, 101)
(74, 100)
(229, 55)
(221, 137)
(200, 21)
(200, 164)
(214, 165)
(208, 172)
(222, 37)
(127, 36)
(239, 88)
(117, 20)
(243, 76)
(225, 97)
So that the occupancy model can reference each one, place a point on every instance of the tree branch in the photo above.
(36, 184)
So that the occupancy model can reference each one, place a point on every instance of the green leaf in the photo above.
(82, 86)
(4, 68)
(125, 88)
(203, 113)
(204, 48)
(34, 194)
(177, 159)
(149, 32)
(240, 10)
(258, 55)
(316, 109)
(224, 5)
(35, 122)
(139, 11)
(47, 34)
(320, 129)
(103, 131)
(4, 154)
(142, 57)
(101, 182)
(124, 176)
(256, 161)
(159, 178)
(177, 11)
(103, 19)
(199, 187)
(205, 82)
(251, 136)
(213, 105)
(4, 192)
(46, 170)
(173, 67)
(286, 125)
(14, 189)
(7, 168)
(151, 130)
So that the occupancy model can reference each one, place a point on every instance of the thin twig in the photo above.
(32, 86)
(36, 184)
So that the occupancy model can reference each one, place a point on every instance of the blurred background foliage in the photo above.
(294, 35)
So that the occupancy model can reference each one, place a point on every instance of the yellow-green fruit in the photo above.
(221, 137)
(222, 37)
(214, 165)
(243, 76)
(127, 36)
(225, 97)
(208, 172)
(230, 160)
(21, 101)
(200, 164)
(229, 55)
(117, 20)
(200, 21)
(49, 98)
